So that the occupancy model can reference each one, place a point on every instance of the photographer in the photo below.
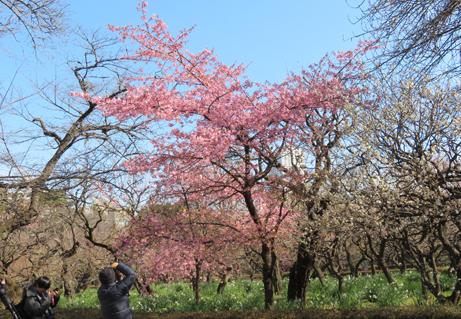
(2, 288)
(113, 294)
(38, 303)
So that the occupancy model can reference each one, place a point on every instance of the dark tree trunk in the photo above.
(84, 282)
(291, 292)
(197, 280)
(420, 259)
(265, 250)
(359, 263)
(386, 271)
(276, 275)
(455, 259)
(300, 279)
(380, 258)
(403, 265)
(142, 288)
(335, 273)
(318, 270)
(149, 290)
(334, 265)
(267, 277)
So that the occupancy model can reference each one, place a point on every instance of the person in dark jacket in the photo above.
(113, 294)
(2, 288)
(38, 303)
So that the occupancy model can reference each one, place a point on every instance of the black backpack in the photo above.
(20, 307)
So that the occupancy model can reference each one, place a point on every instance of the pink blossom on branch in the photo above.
(240, 131)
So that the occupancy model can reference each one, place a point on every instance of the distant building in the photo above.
(289, 159)
(113, 214)
(295, 157)
(24, 193)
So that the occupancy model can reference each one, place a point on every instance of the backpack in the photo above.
(20, 306)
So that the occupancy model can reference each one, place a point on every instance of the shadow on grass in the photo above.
(432, 312)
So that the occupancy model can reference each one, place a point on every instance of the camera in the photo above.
(6, 300)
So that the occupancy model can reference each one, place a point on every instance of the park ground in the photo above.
(427, 312)
(434, 312)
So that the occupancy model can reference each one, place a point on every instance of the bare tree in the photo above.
(78, 141)
(425, 34)
(40, 19)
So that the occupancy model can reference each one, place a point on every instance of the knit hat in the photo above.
(107, 276)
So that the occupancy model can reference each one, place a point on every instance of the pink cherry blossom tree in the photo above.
(197, 235)
(228, 133)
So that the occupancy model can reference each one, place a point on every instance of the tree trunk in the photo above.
(455, 260)
(68, 283)
(143, 289)
(299, 278)
(420, 260)
(380, 258)
(424, 291)
(320, 274)
(291, 293)
(68, 287)
(276, 275)
(456, 294)
(197, 280)
(224, 280)
(350, 263)
(372, 266)
(334, 272)
(265, 251)
(359, 263)
(85, 280)
(403, 266)
(435, 273)
(386, 271)
(267, 277)
(334, 265)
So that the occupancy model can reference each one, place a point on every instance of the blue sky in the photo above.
(272, 35)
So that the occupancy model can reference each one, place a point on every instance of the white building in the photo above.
(295, 157)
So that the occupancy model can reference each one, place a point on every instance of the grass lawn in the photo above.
(364, 297)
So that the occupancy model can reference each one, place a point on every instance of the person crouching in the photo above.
(38, 303)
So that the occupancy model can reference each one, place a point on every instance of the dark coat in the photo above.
(36, 305)
(113, 297)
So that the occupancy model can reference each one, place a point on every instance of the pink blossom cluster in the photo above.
(222, 154)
